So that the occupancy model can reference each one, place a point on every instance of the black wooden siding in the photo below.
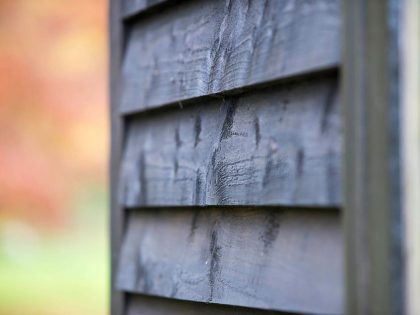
(229, 180)
(147, 305)
(278, 145)
(204, 47)
(268, 258)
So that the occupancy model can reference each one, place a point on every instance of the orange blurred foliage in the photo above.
(53, 115)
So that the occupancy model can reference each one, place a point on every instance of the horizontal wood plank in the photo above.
(149, 305)
(277, 146)
(197, 48)
(287, 260)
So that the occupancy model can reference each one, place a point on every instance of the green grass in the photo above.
(62, 275)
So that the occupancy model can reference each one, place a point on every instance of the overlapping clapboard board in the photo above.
(232, 105)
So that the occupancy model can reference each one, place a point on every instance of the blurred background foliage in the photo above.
(53, 157)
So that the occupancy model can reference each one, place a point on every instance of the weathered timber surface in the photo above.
(275, 146)
(149, 305)
(197, 48)
(288, 260)
(373, 216)
(132, 7)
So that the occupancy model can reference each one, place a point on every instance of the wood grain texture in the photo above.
(280, 145)
(197, 48)
(148, 305)
(288, 260)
